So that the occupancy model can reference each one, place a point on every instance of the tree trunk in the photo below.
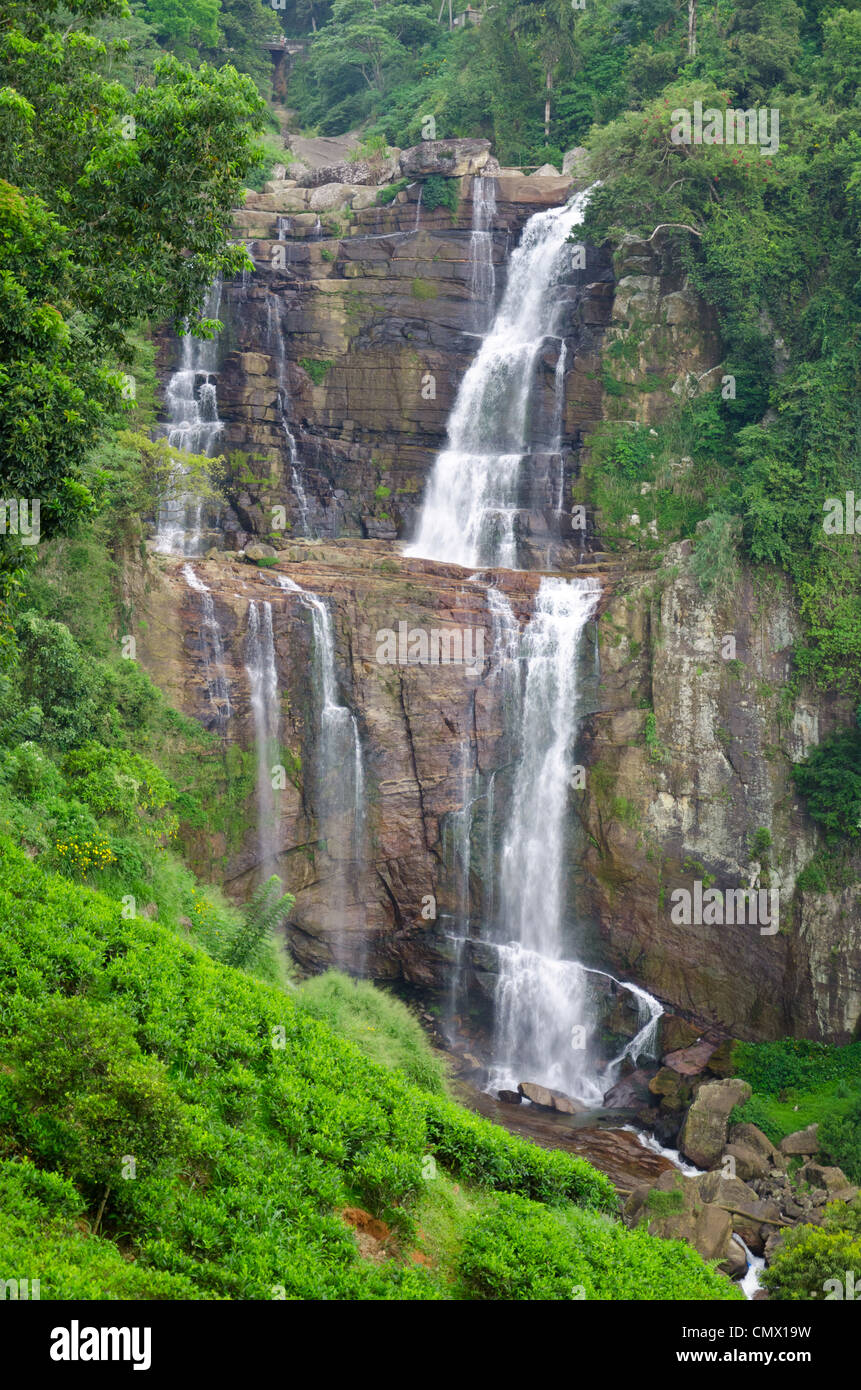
(547, 108)
(692, 28)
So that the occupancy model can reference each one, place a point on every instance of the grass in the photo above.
(252, 1123)
(796, 1109)
(379, 1025)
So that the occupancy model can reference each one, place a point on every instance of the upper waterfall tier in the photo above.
(475, 491)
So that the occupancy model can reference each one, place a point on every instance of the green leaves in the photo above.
(114, 206)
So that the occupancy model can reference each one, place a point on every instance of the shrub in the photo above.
(440, 192)
(830, 781)
(771, 1067)
(59, 678)
(380, 1025)
(484, 1154)
(840, 1143)
(808, 1257)
(266, 909)
(714, 561)
(520, 1250)
(390, 192)
(316, 368)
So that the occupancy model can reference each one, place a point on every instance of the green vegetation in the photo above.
(100, 229)
(797, 1083)
(215, 1126)
(830, 782)
(810, 1257)
(390, 192)
(521, 1250)
(377, 1023)
(316, 367)
(440, 192)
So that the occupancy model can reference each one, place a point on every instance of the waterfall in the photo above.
(468, 515)
(544, 1013)
(482, 283)
(559, 424)
(263, 686)
(339, 770)
(418, 221)
(194, 428)
(212, 649)
(275, 347)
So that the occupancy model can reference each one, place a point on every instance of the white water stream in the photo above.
(212, 649)
(339, 772)
(263, 686)
(194, 428)
(469, 510)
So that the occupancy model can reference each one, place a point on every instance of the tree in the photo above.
(114, 207)
(551, 24)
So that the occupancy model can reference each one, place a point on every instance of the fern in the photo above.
(266, 909)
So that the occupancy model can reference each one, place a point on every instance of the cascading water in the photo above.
(541, 996)
(544, 1005)
(194, 428)
(212, 650)
(339, 769)
(482, 282)
(275, 345)
(263, 687)
(468, 515)
(559, 423)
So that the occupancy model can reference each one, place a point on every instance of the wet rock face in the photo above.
(338, 368)
(690, 759)
(354, 334)
(382, 912)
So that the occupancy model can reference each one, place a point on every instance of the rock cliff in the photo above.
(338, 367)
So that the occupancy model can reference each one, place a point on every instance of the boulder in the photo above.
(259, 551)
(802, 1141)
(510, 1097)
(454, 158)
(753, 1138)
(549, 1100)
(746, 1162)
(330, 196)
(735, 1264)
(731, 1194)
(576, 163)
(832, 1180)
(539, 1095)
(629, 1093)
(374, 172)
(546, 171)
(690, 1061)
(703, 1135)
(667, 1084)
(720, 1062)
(675, 1210)
(364, 198)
